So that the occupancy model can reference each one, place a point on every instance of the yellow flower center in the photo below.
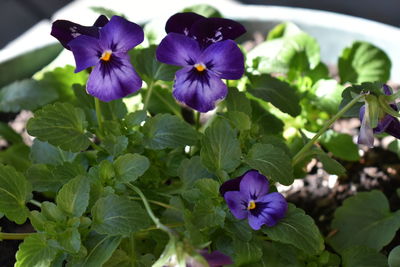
(106, 56)
(200, 67)
(252, 205)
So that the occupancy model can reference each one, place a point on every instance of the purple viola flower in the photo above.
(113, 76)
(65, 31)
(387, 124)
(206, 53)
(247, 197)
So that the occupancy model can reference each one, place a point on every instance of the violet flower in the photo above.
(247, 197)
(113, 76)
(387, 124)
(206, 53)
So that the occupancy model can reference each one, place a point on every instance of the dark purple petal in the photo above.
(113, 79)
(366, 135)
(65, 31)
(120, 35)
(177, 49)
(198, 90)
(212, 30)
(387, 90)
(256, 222)
(383, 124)
(230, 185)
(254, 185)
(225, 59)
(394, 128)
(215, 258)
(86, 50)
(237, 203)
(182, 22)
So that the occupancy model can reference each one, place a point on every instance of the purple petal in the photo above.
(65, 31)
(256, 222)
(275, 205)
(387, 90)
(225, 58)
(113, 79)
(177, 49)
(121, 35)
(182, 22)
(383, 124)
(199, 91)
(237, 204)
(366, 135)
(101, 21)
(87, 51)
(230, 185)
(254, 185)
(215, 258)
(212, 30)
(394, 128)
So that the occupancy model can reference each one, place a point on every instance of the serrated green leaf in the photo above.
(115, 145)
(240, 120)
(115, 215)
(297, 229)
(25, 65)
(135, 118)
(25, 94)
(328, 93)
(162, 101)
(237, 101)
(340, 145)
(364, 62)
(272, 162)
(330, 165)
(192, 170)
(238, 229)
(15, 191)
(364, 219)
(35, 251)
(168, 131)
(73, 197)
(363, 257)
(209, 188)
(43, 152)
(277, 92)
(394, 257)
(70, 240)
(264, 122)
(206, 215)
(16, 155)
(129, 167)
(61, 125)
(246, 252)
(220, 148)
(52, 212)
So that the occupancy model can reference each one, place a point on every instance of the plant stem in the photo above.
(299, 156)
(156, 221)
(161, 204)
(36, 203)
(14, 236)
(197, 120)
(98, 114)
(148, 95)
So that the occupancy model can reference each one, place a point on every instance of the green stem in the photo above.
(98, 114)
(96, 147)
(156, 221)
(161, 204)
(14, 236)
(197, 120)
(36, 203)
(299, 156)
(148, 95)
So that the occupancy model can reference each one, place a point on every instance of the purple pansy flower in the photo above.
(214, 259)
(247, 197)
(387, 123)
(206, 53)
(113, 76)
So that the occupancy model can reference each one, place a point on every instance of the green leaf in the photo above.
(238, 101)
(100, 248)
(328, 93)
(206, 214)
(52, 212)
(115, 145)
(70, 240)
(73, 197)
(8, 133)
(299, 230)
(394, 257)
(129, 167)
(209, 188)
(25, 65)
(15, 191)
(25, 94)
(246, 252)
(115, 215)
(363, 257)
(192, 170)
(364, 62)
(340, 145)
(277, 92)
(394, 146)
(240, 120)
(272, 162)
(330, 165)
(162, 101)
(204, 10)
(135, 118)
(301, 43)
(364, 219)
(61, 125)
(264, 122)
(149, 68)
(168, 131)
(35, 251)
(281, 30)
(220, 148)
(16, 155)
(43, 152)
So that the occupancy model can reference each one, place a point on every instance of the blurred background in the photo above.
(17, 16)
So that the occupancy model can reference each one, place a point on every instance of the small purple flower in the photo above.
(214, 259)
(206, 53)
(113, 76)
(247, 197)
(387, 123)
